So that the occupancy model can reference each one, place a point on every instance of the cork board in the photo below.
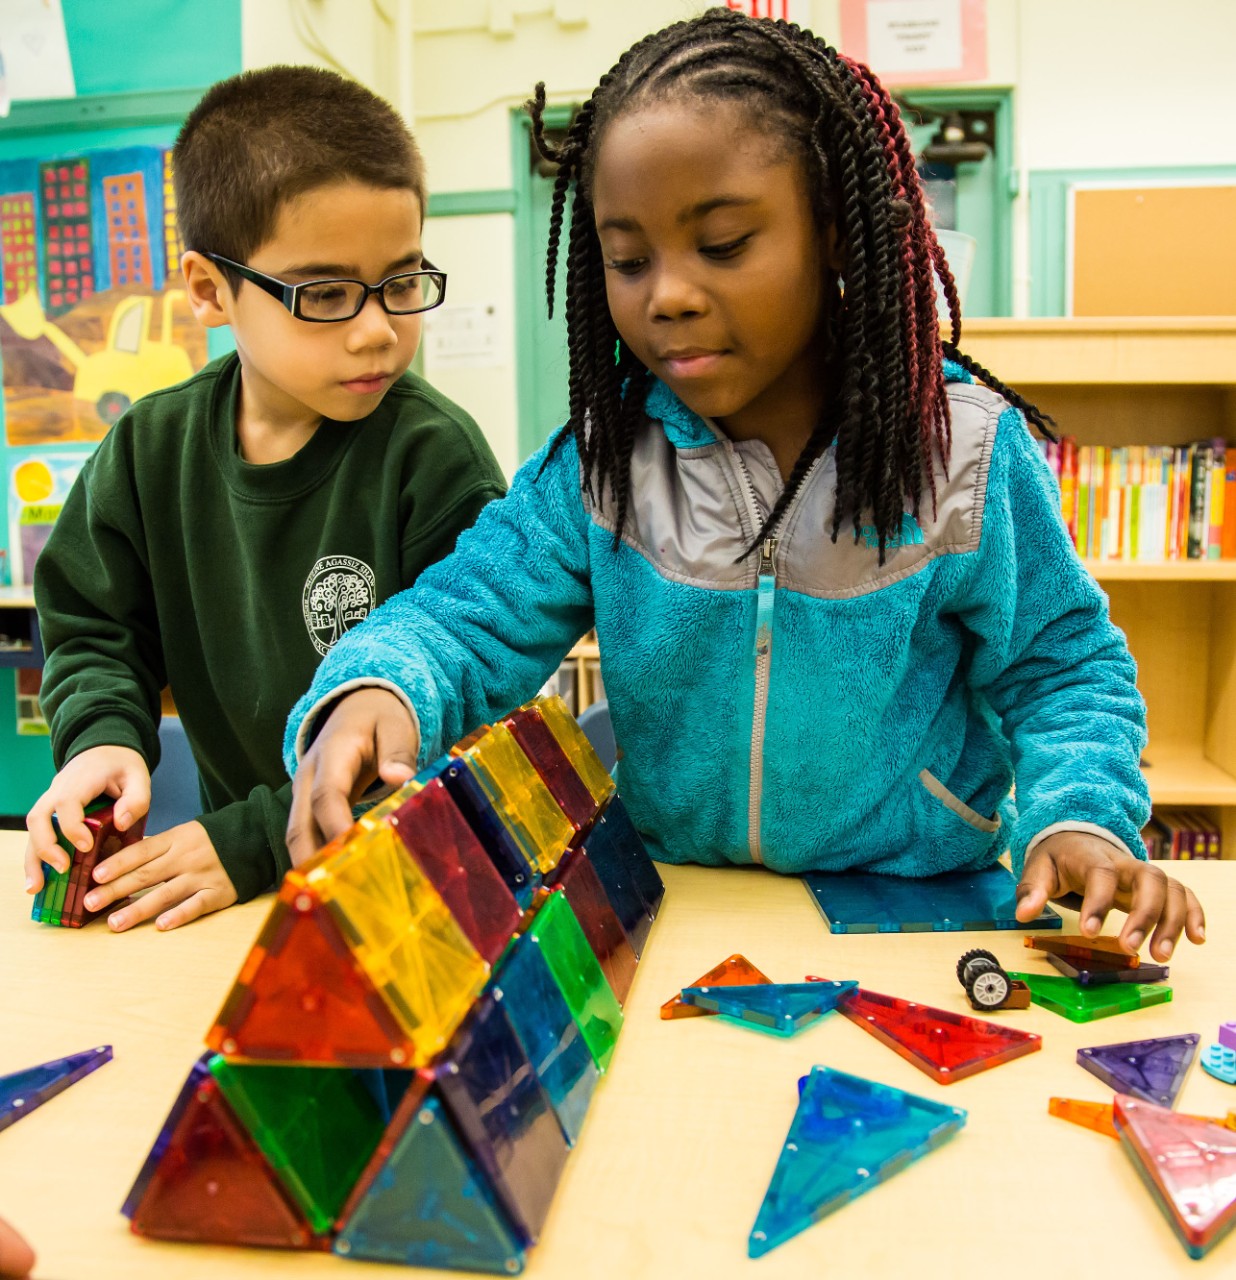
(1153, 251)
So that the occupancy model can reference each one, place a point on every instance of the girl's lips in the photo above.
(694, 366)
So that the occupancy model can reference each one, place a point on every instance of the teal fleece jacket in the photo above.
(805, 707)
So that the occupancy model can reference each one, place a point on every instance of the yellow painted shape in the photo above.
(523, 800)
(403, 936)
(581, 753)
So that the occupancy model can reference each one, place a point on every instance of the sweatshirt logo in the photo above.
(339, 592)
(908, 536)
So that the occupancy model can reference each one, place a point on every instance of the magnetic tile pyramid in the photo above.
(848, 1135)
(1152, 1070)
(947, 1046)
(61, 900)
(22, 1091)
(407, 1055)
(1188, 1165)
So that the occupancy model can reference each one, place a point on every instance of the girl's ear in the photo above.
(834, 259)
(209, 295)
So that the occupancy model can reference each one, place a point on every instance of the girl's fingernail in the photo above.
(1201, 933)
(1167, 948)
(1136, 938)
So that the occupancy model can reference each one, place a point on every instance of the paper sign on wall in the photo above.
(462, 337)
(34, 52)
(917, 41)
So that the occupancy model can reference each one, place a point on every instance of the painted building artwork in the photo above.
(91, 317)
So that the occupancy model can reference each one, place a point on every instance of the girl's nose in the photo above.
(675, 295)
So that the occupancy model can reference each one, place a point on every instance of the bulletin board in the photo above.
(1152, 250)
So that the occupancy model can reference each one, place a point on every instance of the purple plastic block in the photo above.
(22, 1091)
(505, 1115)
(1227, 1035)
(1152, 1070)
(1098, 970)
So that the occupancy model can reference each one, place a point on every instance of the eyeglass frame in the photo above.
(289, 294)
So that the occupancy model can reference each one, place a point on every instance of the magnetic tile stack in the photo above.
(61, 900)
(1095, 978)
(408, 1053)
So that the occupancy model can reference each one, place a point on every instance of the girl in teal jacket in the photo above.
(839, 613)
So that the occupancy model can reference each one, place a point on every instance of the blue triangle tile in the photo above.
(1152, 1070)
(1220, 1061)
(783, 1007)
(22, 1091)
(848, 1135)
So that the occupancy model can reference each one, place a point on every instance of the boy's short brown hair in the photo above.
(261, 138)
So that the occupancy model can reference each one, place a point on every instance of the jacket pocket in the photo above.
(970, 816)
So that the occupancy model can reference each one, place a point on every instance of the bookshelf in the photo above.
(1144, 381)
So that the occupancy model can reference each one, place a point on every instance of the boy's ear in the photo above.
(209, 294)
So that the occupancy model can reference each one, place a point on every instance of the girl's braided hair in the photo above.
(888, 411)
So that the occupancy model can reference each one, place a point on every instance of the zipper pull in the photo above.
(768, 554)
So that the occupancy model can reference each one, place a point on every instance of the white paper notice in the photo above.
(914, 35)
(35, 50)
(462, 337)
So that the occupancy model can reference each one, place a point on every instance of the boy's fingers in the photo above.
(144, 908)
(33, 868)
(197, 904)
(43, 835)
(16, 1256)
(134, 799)
(132, 856)
(72, 818)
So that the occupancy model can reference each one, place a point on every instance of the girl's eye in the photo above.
(625, 266)
(730, 249)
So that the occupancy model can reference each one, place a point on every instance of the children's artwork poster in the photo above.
(91, 312)
(38, 486)
(917, 41)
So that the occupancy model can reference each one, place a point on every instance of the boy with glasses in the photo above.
(229, 530)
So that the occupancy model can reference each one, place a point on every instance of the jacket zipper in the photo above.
(766, 588)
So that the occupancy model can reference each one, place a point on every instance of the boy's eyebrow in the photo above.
(334, 270)
(699, 210)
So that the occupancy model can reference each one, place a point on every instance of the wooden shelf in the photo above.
(1187, 779)
(1162, 571)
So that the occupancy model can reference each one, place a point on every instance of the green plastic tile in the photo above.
(318, 1127)
(578, 974)
(1086, 1004)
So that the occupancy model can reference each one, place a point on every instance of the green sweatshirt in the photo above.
(175, 562)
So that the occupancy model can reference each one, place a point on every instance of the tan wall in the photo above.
(1099, 83)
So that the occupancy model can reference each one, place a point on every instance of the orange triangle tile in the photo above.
(302, 997)
(736, 971)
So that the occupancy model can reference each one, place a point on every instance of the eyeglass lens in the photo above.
(342, 299)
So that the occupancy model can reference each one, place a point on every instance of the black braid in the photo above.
(886, 409)
(1044, 423)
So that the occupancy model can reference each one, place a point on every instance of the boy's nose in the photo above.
(371, 326)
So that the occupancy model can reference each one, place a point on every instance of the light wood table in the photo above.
(683, 1133)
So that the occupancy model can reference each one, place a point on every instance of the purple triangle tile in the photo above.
(1220, 1061)
(22, 1091)
(1227, 1035)
(1152, 1070)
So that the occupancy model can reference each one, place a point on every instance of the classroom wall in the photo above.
(1099, 84)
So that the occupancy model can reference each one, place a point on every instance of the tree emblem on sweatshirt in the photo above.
(339, 592)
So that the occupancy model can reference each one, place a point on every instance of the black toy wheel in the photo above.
(971, 958)
(989, 988)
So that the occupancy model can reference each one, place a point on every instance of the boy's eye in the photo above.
(730, 249)
(320, 294)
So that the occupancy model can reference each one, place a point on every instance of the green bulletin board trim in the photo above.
(460, 204)
(102, 111)
(1049, 220)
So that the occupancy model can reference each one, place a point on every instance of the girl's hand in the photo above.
(367, 737)
(1107, 877)
(119, 772)
(183, 866)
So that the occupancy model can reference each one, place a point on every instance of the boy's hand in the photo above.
(119, 772)
(368, 735)
(184, 866)
(1107, 877)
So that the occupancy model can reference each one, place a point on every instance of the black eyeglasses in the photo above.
(329, 301)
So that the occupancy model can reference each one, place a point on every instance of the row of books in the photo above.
(1182, 833)
(1148, 502)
